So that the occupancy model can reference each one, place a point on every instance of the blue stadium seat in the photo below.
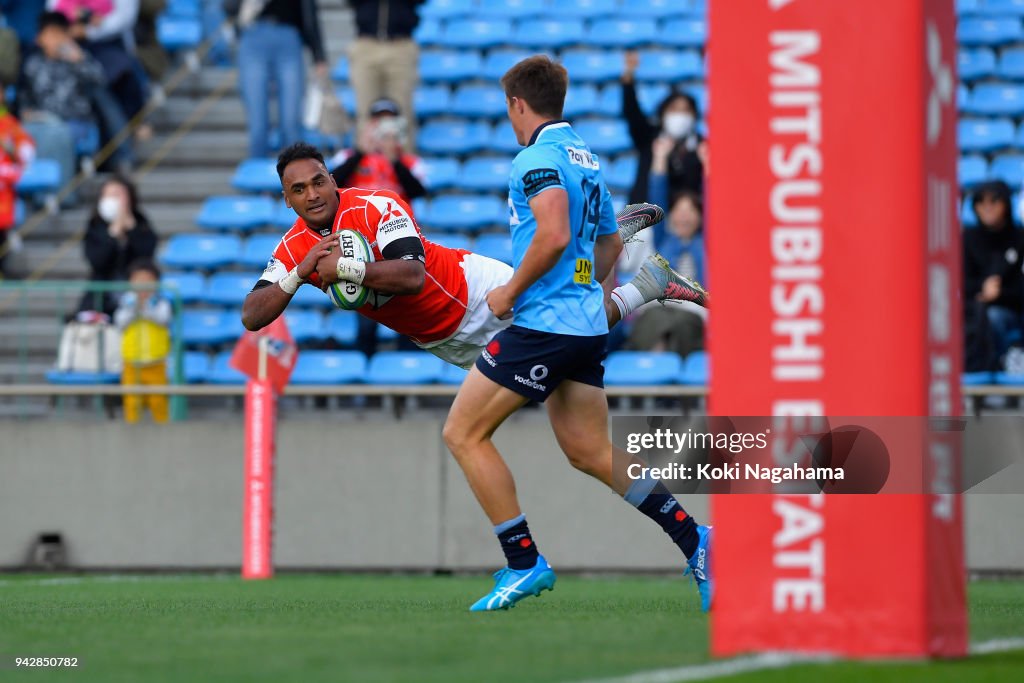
(177, 33)
(221, 371)
(62, 377)
(1011, 64)
(1011, 8)
(229, 289)
(87, 142)
(486, 174)
(503, 139)
(453, 374)
(449, 66)
(972, 170)
(347, 96)
(1007, 378)
(258, 250)
(992, 31)
(340, 71)
(342, 327)
(699, 93)
(553, 34)
(985, 135)
(622, 173)
(609, 101)
(386, 334)
(496, 246)
(309, 296)
(641, 367)
(448, 9)
(651, 95)
(975, 64)
(195, 366)
(589, 66)
(210, 327)
(581, 100)
(431, 100)
(656, 9)
(191, 287)
(479, 101)
(329, 367)
(1009, 167)
(235, 213)
(670, 65)
(963, 96)
(40, 176)
(480, 34)
(452, 240)
(973, 379)
(688, 32)
(257, 175)
(467, 213)
(968, 7)
(281, 216)
(19, 212)
(498, 62)
(994, 99)
(587, 9)
(453, 137)
(183, 8)
(696, 369)
(441, 173)
(404, 367)
(622, 32)
(513, 9)
(605, 136)
(201, 251)
(305, 325)
(429, 32)
(967, 217)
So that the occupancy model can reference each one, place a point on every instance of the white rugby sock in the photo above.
(627, 299)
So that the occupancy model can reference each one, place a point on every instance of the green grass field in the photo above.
(384, 628)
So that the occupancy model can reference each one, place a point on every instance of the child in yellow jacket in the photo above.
(144, 317)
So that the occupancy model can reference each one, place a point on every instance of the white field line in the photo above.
(113, 578)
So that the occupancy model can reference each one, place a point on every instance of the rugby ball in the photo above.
(348, 295)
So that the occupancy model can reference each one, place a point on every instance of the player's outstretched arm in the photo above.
(275, 289)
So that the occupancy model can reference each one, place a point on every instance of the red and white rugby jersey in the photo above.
(382, 217)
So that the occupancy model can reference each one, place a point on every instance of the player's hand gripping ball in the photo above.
(349, 295)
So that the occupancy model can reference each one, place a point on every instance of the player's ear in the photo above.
(286, 201)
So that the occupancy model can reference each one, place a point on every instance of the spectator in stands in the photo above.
(270, 49)
(106, 29)
(677, 122)
(10, 54)
(151, 54)
(16, 151)
(23, 17)
(144, 317)
(674, 327)
(117, 235)
(56, 98)
(993, 280)
(384, 59)
(380, 161)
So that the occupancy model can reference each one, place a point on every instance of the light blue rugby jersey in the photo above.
(567, 299)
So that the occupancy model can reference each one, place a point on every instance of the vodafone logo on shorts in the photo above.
(538, 372)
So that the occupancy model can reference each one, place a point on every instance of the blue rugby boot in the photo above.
(512, 585)
(700, 567)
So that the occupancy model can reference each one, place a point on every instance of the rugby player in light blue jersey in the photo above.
(565, 242)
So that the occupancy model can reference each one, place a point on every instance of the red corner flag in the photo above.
(281, 354)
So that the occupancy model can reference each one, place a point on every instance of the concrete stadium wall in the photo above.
(366, 493)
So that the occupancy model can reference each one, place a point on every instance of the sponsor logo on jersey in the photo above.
(540, 179)
(399, 223)
(584, 274)
(583, 157)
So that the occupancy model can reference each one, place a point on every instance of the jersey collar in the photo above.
(547, 125)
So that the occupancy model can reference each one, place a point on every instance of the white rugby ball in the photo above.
(348, 295)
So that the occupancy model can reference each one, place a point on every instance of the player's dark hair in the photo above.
(129, 186)
(671, 97)
(55, 19)
(300, 150)
(540, 82)
(144, 264)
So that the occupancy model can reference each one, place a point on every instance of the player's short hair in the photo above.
(540, 82)
(300, 150)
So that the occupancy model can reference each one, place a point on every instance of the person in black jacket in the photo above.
(118, 234)
(993, 279)
(271, 36)
(384, 59)
(676, 120)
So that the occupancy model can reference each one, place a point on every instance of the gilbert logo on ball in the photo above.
(349, 295)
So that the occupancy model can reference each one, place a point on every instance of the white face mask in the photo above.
(109, 208)
(678, 124)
